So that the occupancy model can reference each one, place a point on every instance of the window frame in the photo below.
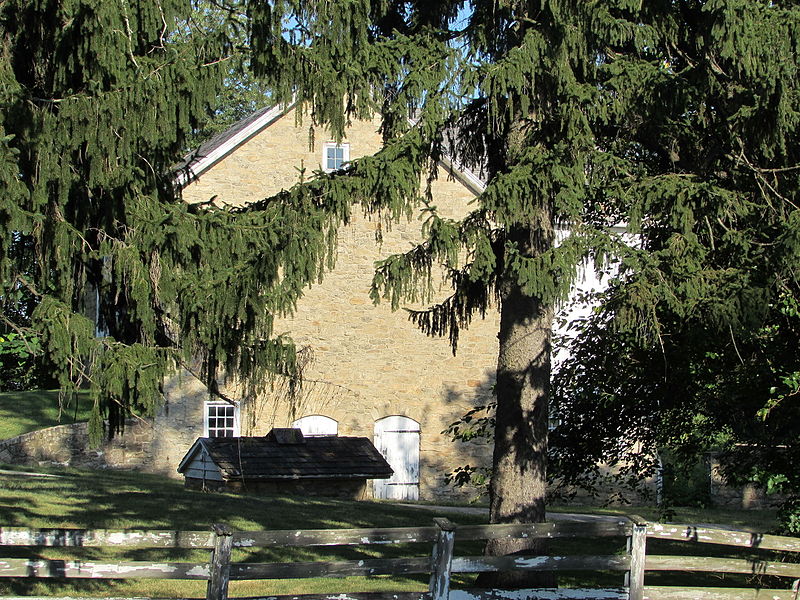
(235, 430)
(319, 422)
(345, 147)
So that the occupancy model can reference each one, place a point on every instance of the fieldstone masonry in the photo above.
(366, 362)
(69, 445)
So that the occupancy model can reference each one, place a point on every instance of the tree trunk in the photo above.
(519, 468)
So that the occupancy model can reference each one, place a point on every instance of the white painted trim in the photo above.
(465, 176)
(237, 430)
(345, 146)
(198, 444)
(197, 168)
(324, 426)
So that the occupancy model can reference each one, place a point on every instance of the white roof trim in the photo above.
(465, 176)
(198, 445)
(195, 169)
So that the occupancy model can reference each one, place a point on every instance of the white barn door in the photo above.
(397, 439)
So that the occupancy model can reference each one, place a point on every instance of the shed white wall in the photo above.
(202, 467)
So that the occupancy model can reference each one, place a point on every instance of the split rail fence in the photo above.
(440, 565)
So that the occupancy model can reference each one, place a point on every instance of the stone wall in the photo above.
(141, 449)
(68, 445)
(745, 496)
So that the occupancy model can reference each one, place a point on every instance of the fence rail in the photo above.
(440, 565)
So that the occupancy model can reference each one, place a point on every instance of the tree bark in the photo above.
(518, 486)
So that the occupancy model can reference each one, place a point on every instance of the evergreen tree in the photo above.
(97, 100)
(241, 93)
(678, 118)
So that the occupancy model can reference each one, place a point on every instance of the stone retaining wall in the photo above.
(737, 496)
(68, 445)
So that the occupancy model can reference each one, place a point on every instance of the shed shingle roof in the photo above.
(317, 458)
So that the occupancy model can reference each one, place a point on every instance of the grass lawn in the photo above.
(21, 412)
(125, 500)
(762, 520)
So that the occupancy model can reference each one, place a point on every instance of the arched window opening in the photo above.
(317, 425)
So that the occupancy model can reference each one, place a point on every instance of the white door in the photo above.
(397, 439)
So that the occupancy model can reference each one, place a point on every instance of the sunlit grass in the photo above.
(762, 520)
(21, 412)
(127, 500)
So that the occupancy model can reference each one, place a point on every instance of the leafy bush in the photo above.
(18, 362)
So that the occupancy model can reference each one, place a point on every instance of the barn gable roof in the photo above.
(282, 456)
(222, 144)
(226, 142)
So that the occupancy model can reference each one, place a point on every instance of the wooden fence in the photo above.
(440, 565)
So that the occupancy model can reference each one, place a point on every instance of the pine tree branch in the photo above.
(217, 61)
(212, 387)
(28, 286)
(760, 175)
(129, 33)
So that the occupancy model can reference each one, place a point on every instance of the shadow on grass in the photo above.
(125, 500)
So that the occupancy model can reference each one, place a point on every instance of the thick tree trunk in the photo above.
(519, 477)
(523, 385)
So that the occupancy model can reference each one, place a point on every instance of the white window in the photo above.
(317, 425)
(221, 420)
(335, 156)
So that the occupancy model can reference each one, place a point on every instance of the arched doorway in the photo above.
(397, 439)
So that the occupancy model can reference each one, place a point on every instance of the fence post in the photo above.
(220, 570)
(637, 547)
(442, 559)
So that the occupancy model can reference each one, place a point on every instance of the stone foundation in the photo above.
(345, 489)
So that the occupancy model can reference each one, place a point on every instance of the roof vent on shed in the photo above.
(286, 436)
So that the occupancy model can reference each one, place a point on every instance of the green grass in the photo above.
(762, 520)
(126, 500)
(21, 412)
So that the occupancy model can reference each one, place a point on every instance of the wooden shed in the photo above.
(285, 462)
